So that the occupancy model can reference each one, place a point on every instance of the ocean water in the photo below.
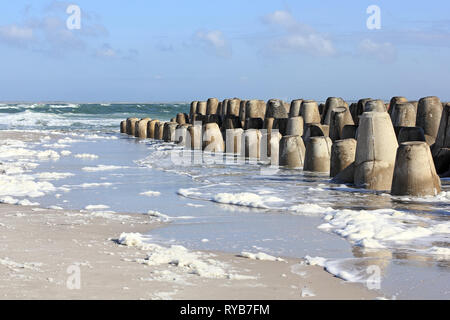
(234, 207)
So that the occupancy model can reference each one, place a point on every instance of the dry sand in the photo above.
(37, 246)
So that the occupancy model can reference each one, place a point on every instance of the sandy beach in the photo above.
(39, 245)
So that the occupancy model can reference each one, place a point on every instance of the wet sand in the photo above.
(39, 245)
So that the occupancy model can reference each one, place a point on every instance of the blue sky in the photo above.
(186, 50)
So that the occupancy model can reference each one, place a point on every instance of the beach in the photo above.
(139, 225)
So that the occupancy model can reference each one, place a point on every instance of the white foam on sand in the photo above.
(86, 156)
(53, 175)
(178, 257)
(383, 228)
(259, 256)
(247, 199)
(96, 207)
(150, 193)
(24, 202)
(102, 167)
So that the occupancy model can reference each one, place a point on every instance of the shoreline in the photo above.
(39, 245)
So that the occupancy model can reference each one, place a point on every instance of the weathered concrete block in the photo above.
(374, 106)
(131, 126)
(318, 154)
(394, 101)
(443, 136)
(195, 136)
(181, 133)
(276, 109)
(340, 117)
(233, 141)
(211, 106)
(212, 138)
(295, 126)
(233, 107)
(403, 114)
(429, 112)
(359, 109)
(294, 110)
(193, 110)
(331, 104)
(255, 109)
(252, 144)
(309, 111)
(242, 112)
(342, 155)
(123, 126)
(182, 118)
(151, 129)
(201, 108)
(159, 130)
(169, 131)
(141, 128)
(414, 172)
(375, 151)
(292, 152)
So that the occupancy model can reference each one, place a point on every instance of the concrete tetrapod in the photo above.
(123, 126)
(234, 141)
(169, 131)
(331, 104)
(294, 126)
(309, 111)
(340, 117)
(414, 173)
(201, 108)
(151, 129)
(318, 154)
(374, 106)
(141, 128)
(276, 109)
(292, 152)
(211, 106)
(193, 110)
(131, 126)
(342, 155)
(252, 144)
(358, 109)
(182, 118)
(212, 138)
(394, 101)
(403, 114)
(159, 130)
(375, 151)
(294, 110)
(233, 107)
(429, 112)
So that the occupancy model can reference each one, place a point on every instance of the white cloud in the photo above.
(297, 37)
(14, 32)
(384, 52)
(106, 52)
(215, 40)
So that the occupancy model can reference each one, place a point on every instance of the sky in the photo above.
(165, 51)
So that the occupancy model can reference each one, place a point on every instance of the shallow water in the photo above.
(237, 207)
